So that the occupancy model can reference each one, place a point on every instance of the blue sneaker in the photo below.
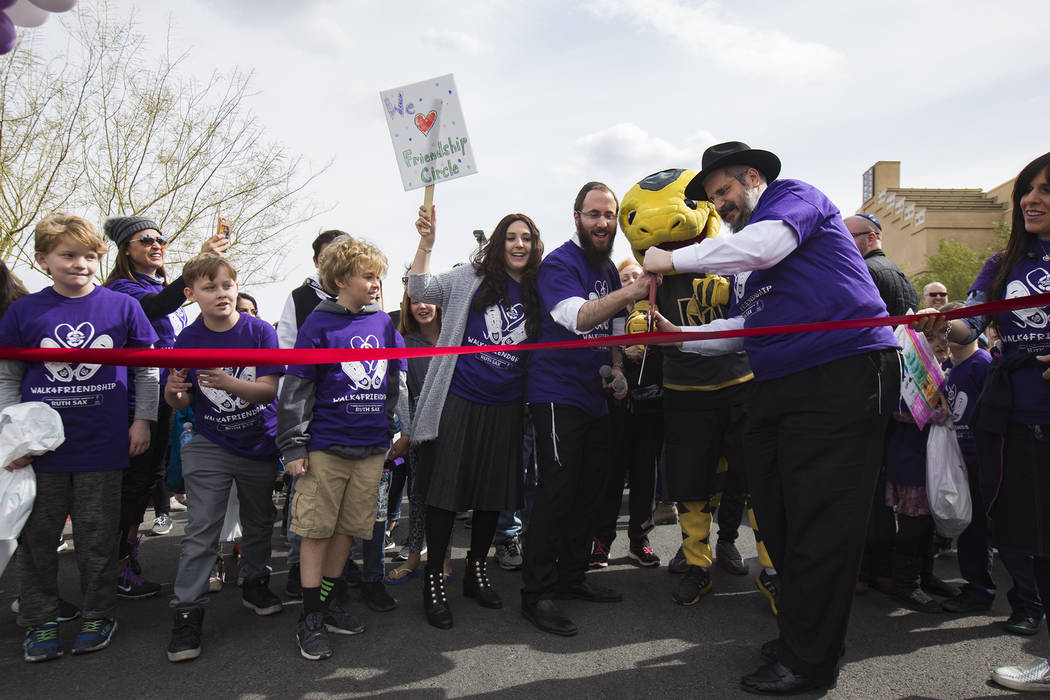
(42, 643)
(94, 635)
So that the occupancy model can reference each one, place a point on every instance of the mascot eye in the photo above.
(691, 203)
(630, 215)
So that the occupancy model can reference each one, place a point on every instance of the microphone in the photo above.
(618, 384)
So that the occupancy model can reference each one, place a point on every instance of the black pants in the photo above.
(637, 436)
(813, 449)
(144, 473)
(573, 452)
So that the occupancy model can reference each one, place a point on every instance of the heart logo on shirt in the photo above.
(224, 401)
(364, 374)
(425, 123)
(70, 337)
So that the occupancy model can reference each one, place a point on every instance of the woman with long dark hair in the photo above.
(469, 417)
(1012, 420)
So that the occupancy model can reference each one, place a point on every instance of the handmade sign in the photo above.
(923, 376)
(427, 129)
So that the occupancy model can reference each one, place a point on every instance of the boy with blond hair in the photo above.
(82, 477)
(234, 444)
(334, 427)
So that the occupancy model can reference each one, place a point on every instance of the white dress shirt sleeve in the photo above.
(757, 246)
(715, 346)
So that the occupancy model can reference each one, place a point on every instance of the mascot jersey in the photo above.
(689, 371)
(243, 428)
(351, 397)
(92, 399)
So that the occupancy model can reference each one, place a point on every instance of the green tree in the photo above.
(956, 266)
(107, 131)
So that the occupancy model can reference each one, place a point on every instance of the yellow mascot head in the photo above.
(656, 212)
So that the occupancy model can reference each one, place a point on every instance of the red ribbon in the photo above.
(234, 357)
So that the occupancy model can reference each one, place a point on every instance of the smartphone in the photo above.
(224, 227)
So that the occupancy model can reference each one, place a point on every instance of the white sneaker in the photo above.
(162, 524)
(1031, 678)
(175, 504)
(215, 577)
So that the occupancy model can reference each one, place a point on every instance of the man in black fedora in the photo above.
(820, 403)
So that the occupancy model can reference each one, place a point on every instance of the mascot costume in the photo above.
(704, 396)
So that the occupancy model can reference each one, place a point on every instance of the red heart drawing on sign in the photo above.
(424, 123)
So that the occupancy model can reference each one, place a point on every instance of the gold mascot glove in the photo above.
(711, 290)
(637, 320)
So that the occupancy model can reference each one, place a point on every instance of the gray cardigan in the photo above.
(452, 291)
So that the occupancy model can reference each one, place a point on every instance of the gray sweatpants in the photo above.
(208, 471)
(92, 501)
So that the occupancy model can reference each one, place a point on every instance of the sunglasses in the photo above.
(937, 294)
(148, 240)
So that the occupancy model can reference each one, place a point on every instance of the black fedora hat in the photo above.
(731, 153)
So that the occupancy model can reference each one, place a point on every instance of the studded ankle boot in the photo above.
(476, 584)
(435, 604)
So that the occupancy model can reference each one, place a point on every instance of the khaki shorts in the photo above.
(337, 495)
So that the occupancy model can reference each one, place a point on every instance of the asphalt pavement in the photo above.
(644, 647)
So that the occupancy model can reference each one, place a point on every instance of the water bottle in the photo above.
(187, 434)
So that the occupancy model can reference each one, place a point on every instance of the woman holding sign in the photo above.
(1012, 418)
(469, 419)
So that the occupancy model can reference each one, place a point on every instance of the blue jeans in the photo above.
(372, 554)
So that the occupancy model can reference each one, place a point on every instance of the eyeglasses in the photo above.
(936, 294)
(866, 233)
(595, 215)
(148, 240)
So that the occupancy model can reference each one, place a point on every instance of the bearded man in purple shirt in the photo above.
(821, 400)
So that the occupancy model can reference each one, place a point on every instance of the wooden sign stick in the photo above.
(428, 197)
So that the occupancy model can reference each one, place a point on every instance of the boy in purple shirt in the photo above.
(81, 478)
(234, 444)
(335, 423)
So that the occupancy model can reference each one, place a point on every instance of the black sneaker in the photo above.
(677, 564)
(185, 641)
(338, 621)
(695, 584)
(728, 557)
(1023, 623)
(375, 596)
(641, 553)
(313, 637)
(294, 587)
(131, 586)
(256, 594)
(967, 602)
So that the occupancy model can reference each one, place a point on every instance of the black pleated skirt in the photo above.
(475, 462)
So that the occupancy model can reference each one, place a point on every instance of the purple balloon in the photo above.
(8, 35)
(4, 4)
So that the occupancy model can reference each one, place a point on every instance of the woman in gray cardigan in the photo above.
(468, 422)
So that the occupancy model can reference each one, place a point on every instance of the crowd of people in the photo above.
(806, 431)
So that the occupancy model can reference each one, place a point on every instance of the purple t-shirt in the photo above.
(824, 279)
(92, 399)
(571, 376)
(1024, 330)
(167, 327)
(961, 388)
(350, 405)
(243, 428)
(493, 378)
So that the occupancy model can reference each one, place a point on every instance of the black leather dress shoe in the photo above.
(546, 616)
(591, 592)
(777, 679)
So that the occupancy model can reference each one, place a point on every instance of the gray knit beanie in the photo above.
(120, 228)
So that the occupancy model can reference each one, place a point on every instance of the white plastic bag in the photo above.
(26, 429)
(947, 486)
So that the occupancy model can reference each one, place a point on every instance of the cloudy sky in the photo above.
(555, 94)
